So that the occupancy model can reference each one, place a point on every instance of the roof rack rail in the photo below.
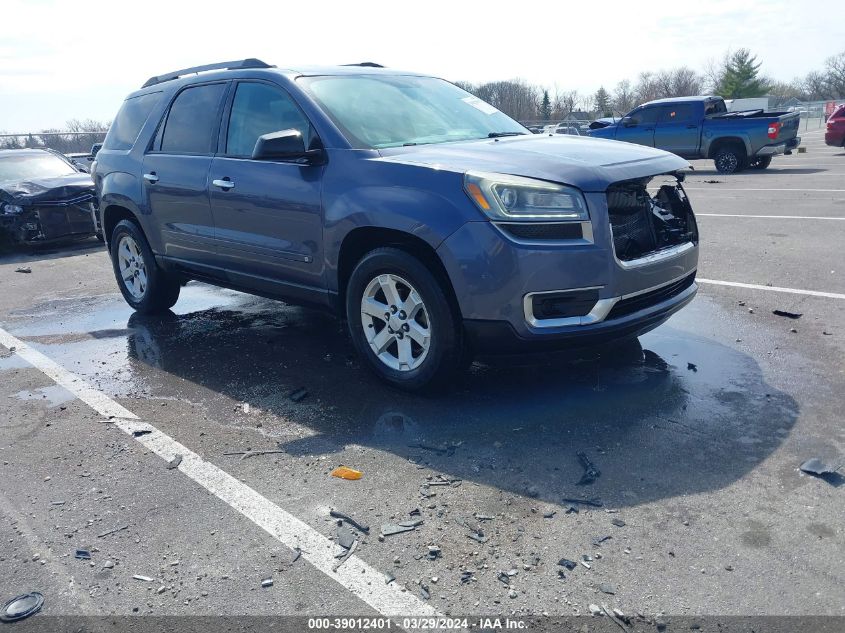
(366, 64)
(250, 62)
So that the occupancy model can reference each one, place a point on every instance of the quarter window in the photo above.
(129, 121)
(191, 126)
(259, 109)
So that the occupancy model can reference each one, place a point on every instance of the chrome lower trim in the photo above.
(599, 311)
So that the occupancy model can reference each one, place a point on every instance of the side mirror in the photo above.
(96, 147)
(284, 145)
(628, 122)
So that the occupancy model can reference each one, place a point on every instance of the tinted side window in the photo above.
(127, 124)
(258, 109)
(191, 126)
(678, 113)
(645, 116)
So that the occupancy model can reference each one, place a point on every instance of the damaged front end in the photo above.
(36, 214)
(650, 215)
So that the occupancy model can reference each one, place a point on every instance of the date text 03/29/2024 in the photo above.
(416, 624)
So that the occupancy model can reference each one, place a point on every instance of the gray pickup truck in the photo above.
(702, 127)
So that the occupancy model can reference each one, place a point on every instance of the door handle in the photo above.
(692, 127)
(224, 183)
(151, 178)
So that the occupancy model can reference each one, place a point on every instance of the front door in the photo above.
(677, 130)
(175, 175)
(638, 126)
(267, 214)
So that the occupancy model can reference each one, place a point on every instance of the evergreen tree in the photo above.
(602, 100)
(739, 77)
(546, 106)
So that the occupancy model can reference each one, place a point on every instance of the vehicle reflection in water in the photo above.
(655, 426)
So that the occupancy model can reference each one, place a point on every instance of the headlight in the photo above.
(514, 198)
(12, 209)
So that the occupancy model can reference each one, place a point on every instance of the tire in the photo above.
(388, 281)
(760, 163)
(730, 159)
(149, 290)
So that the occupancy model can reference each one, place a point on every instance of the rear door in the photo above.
(267, 213)
(638, 126)
(176, 174)
(678, 129)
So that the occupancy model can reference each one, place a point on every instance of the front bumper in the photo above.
(494, 338)
(51, 222)
(779, 148)
(495, 277)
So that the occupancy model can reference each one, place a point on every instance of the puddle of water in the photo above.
(13, 361)
(52, 395)
(655, 425)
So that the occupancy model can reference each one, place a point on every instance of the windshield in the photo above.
(29, 166)
(376, 111)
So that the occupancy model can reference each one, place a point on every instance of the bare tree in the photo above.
(515, 97)
(565, 103)
(815, 85)
(714, 71)
(834, 69)
(686, 82)
(623, 97)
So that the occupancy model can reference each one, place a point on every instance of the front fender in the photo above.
(427, 203)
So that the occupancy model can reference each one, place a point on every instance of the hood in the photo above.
(587, 163)
(41, 190)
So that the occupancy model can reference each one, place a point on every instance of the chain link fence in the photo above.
(814, 114)
(64, 142)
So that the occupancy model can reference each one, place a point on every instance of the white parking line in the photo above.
(749, 189)
(795, 291)
(778, 217)
(774, 172)
(364, 581)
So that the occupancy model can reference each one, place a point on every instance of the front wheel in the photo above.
(760, 162)
(144, 285)
(401, 321)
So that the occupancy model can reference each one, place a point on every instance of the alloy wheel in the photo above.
(133, 269)
(396, 323)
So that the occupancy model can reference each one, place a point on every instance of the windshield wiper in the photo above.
(501, 134)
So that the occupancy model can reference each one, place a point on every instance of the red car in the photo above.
(835, 134)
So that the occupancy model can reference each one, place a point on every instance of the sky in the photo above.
(77, 60)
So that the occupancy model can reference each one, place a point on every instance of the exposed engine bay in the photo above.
(649, 215)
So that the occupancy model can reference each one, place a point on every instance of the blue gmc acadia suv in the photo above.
(438, 226)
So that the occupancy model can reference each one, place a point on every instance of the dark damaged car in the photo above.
(44, 198)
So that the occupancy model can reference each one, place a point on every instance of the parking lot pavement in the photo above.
(697, 434)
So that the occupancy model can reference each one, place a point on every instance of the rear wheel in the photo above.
(730, 159)
(144, 285)
(401, 321)
(761, 162)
